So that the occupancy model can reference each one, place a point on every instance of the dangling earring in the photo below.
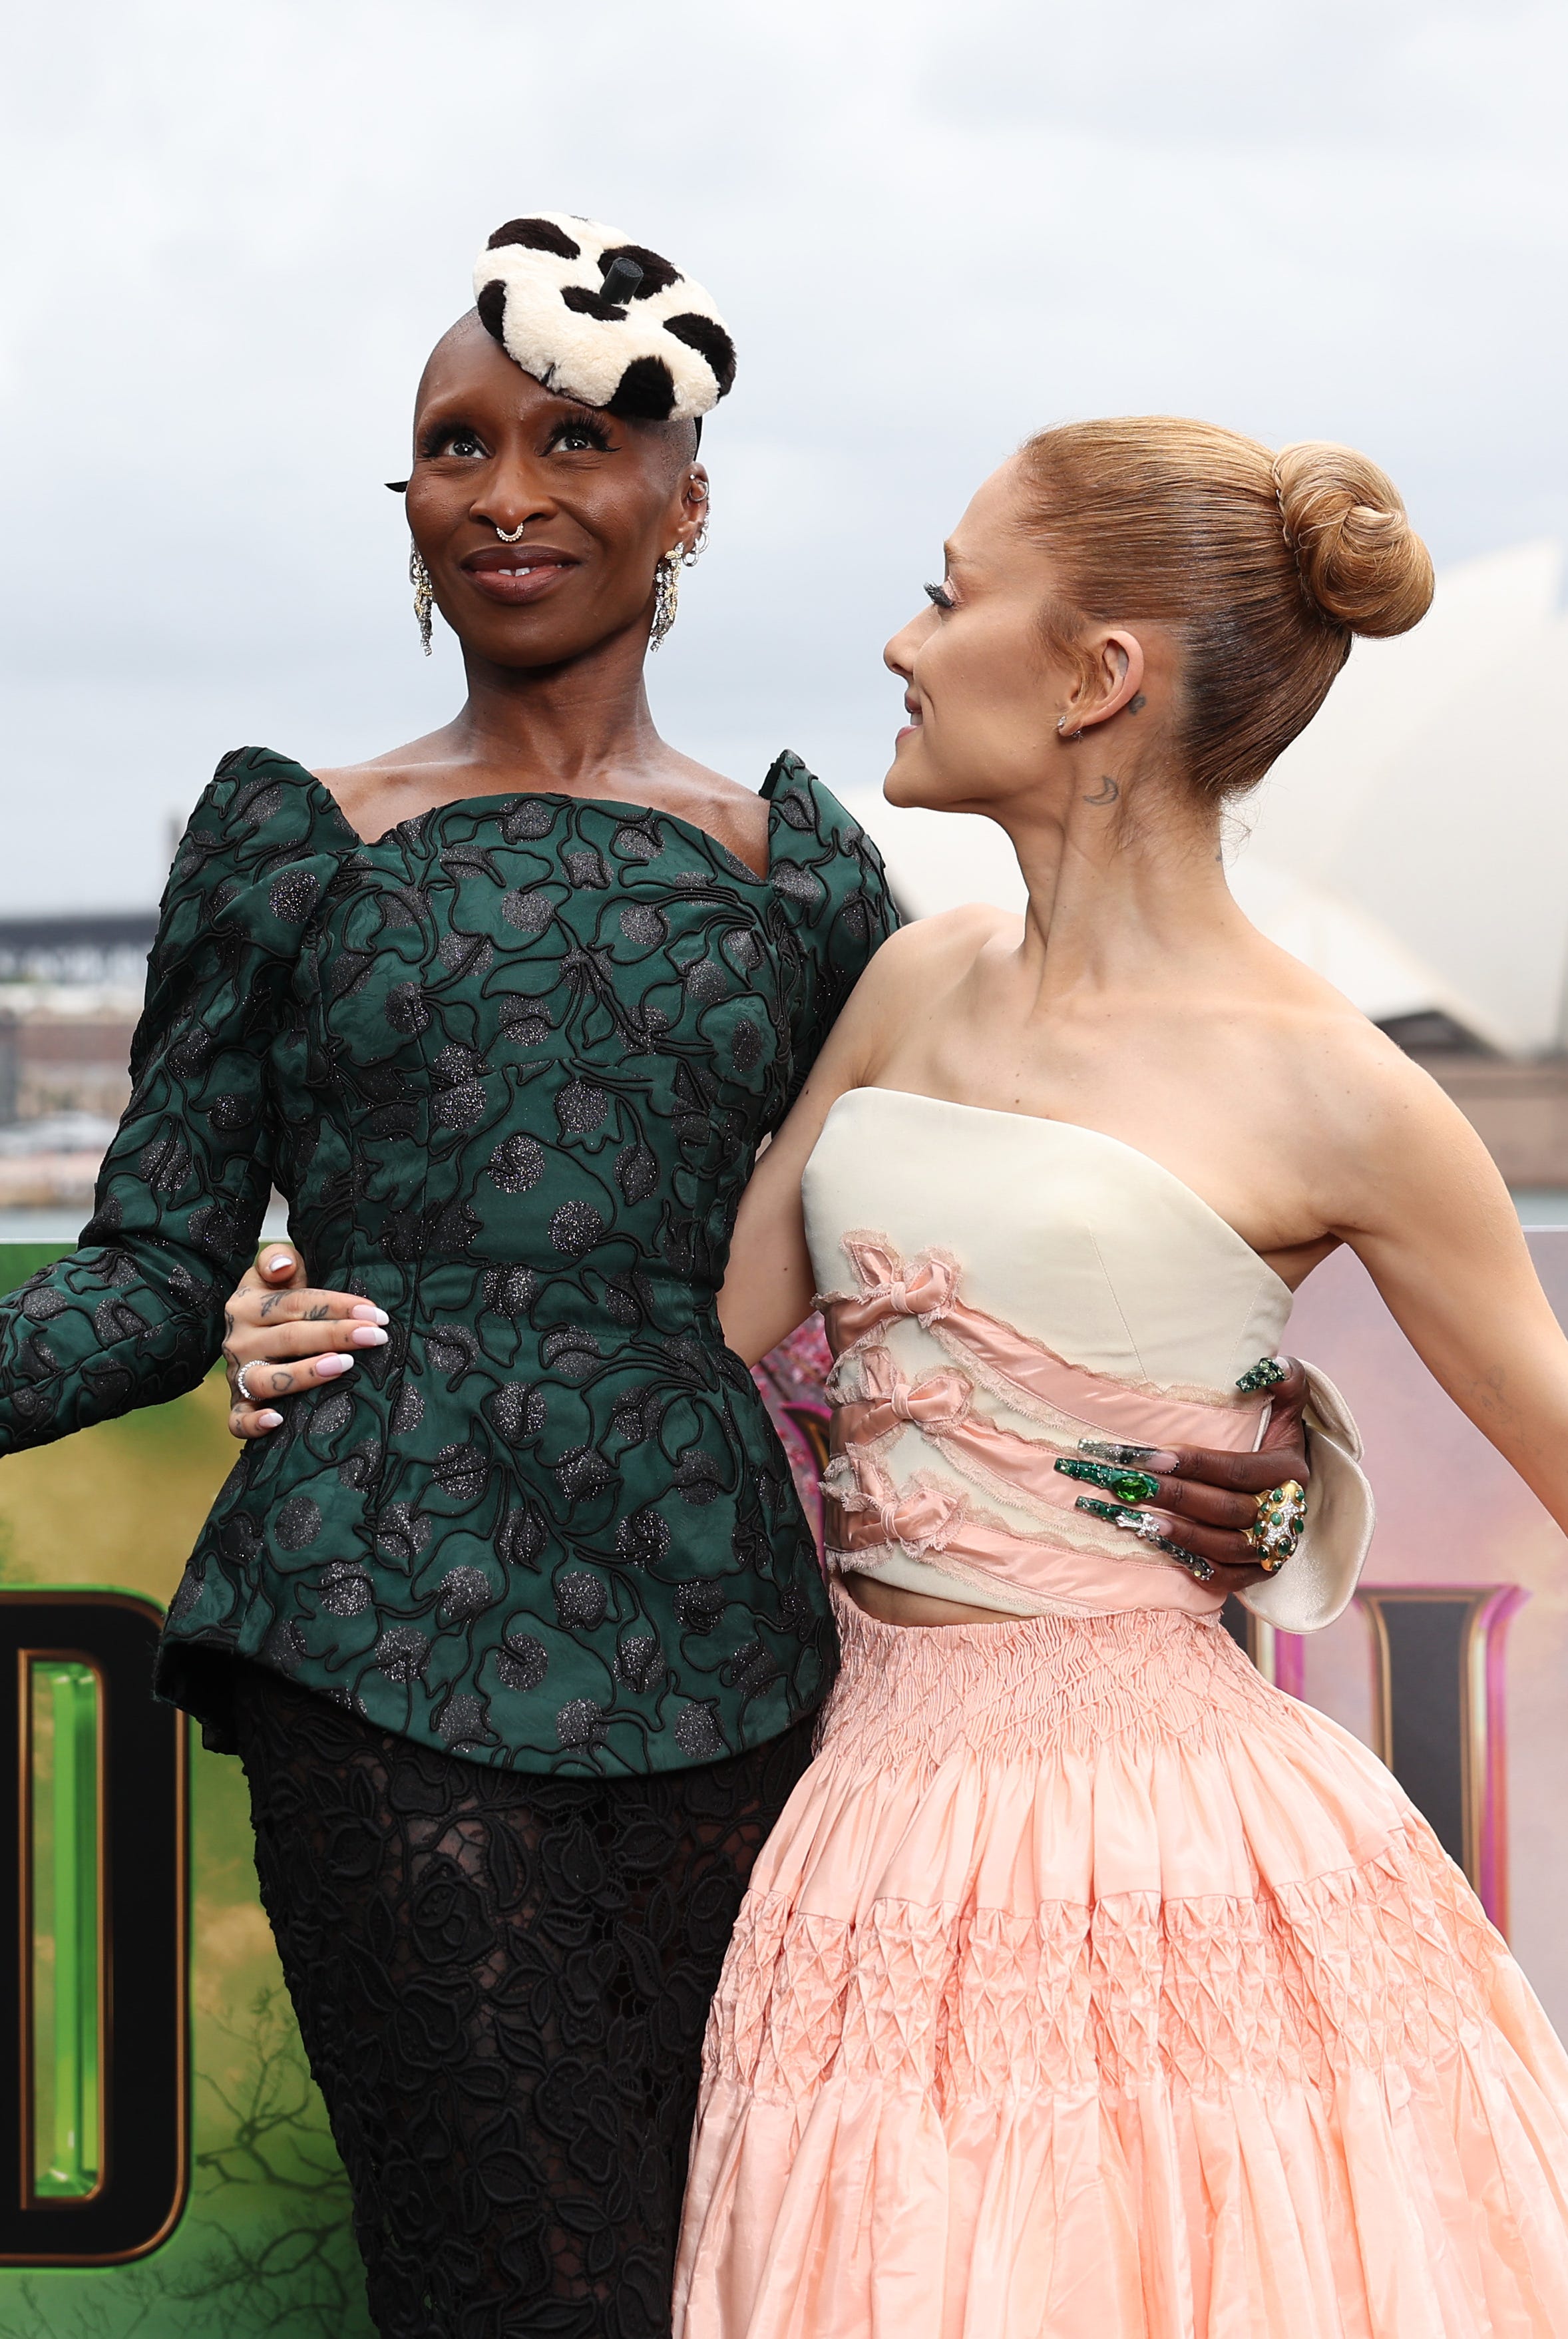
(424, 598)
(667, 587)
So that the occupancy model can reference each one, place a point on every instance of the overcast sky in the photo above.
(232, 233)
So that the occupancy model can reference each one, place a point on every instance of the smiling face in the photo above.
(984, 686)
(598, 502)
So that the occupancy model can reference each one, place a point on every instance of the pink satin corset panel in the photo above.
(994, 1289)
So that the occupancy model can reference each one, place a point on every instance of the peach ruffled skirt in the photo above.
(1091, 1988)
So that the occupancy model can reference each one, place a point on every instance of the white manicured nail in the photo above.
(269, 1421)
(327, 1368)
(369, 1336)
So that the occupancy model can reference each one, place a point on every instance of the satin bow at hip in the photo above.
(937, 1402)
(874, 1512)
(925, 1288)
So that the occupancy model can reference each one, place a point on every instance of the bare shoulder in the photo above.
(725, 808)
(947, 943)
(375, 795)
(1373, 1128)
(906, 976)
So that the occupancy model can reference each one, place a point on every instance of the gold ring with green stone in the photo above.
(1277, 1531)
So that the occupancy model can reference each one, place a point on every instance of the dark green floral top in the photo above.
(510, 1066)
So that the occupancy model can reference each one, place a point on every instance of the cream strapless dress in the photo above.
(1089, 1987)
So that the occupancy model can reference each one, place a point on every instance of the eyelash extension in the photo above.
(939, 595)
(588, 425)
(432, 440)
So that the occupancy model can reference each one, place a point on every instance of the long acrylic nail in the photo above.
(1101, 1510)
(1139, 1523)
(278, 1262)
(365, 1314)
(269, 1420)
(1131, 1457)
(1126, 1486)
(369, 1336)
(1266, 1374)
(328, 1368)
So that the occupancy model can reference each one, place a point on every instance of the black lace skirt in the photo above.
(502, 1982)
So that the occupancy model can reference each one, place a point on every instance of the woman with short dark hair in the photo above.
(510, 1608)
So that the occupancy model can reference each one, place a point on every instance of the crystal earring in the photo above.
(667, 588)
(424, 598)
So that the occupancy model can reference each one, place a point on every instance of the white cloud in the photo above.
(233, 234)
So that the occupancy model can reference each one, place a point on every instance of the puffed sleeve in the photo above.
(135, 1314)
(836, 907)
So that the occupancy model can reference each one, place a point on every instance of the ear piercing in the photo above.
(1067, 737)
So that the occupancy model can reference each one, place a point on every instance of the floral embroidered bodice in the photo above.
(510, 1064)
(996, 1288)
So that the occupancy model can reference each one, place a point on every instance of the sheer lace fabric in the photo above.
(501, 1982)
(1090, 1989)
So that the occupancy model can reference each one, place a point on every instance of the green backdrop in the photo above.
(262, 2245)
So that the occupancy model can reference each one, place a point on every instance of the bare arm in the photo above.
(768, 1285)
(1432, 1221)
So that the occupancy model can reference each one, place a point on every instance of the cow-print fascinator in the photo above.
(603, 321)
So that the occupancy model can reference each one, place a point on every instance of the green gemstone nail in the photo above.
(1266, 1374)
(1100, 1510)
(1126, 1486)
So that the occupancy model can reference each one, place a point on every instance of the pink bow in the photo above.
(925, 1287)
(875, 1512)
(938, 1401)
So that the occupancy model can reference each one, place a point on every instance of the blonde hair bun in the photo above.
(1361, 561)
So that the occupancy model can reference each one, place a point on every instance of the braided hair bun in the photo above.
(1361, 562)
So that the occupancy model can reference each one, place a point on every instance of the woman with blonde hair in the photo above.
(1088, 1986)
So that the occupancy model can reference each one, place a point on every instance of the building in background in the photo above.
(70, 992)
(1410, 846)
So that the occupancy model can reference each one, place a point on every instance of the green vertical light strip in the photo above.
(66, 2046)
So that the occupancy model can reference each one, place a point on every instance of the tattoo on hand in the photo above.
(1106, 793)
(1137, 702)
(228, 1324)
(281, 1383)
(317, 1315)
(268, 1304)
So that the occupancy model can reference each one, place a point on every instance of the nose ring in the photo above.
(508, 536)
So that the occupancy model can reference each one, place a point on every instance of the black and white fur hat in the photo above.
(603, 321)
